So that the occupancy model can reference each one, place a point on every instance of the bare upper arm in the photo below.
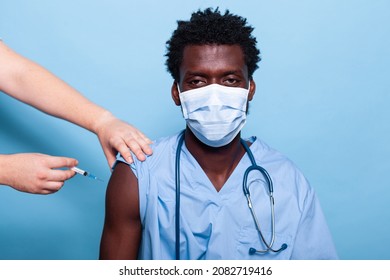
(122, 226)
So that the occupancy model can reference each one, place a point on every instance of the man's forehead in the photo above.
(212, 50)
(213, 56)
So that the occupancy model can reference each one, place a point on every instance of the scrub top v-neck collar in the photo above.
(198, 179)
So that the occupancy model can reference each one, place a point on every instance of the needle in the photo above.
(85, 173)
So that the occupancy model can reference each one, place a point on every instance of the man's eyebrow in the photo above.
(202, 74)
(232, 72)
(195, 73)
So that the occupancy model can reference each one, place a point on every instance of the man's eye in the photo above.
(231, 82)
(196, 83)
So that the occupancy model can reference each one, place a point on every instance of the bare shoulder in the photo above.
(122, 191)
(122, 226)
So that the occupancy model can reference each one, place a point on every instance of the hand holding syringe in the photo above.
(85, 173)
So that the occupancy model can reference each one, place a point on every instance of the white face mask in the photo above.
(215, 113)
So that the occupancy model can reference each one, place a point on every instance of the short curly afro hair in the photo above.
(211, 27)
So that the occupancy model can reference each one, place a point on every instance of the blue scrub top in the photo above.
(219, 225)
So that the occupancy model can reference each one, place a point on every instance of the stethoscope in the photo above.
(253, 167)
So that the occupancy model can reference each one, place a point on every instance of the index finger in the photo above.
(139, 146)
(58, 162)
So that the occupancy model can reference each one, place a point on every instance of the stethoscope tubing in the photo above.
(245, 187)
(264, 172)
(177, 209)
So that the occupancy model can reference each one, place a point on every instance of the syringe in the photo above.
(85, 173)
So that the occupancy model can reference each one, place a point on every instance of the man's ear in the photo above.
(175, 93)
(252, 89)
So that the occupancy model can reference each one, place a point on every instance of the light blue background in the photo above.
(322, 99)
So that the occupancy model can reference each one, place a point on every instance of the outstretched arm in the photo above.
(122, 226)
(36, 86)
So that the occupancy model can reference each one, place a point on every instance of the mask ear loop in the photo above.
(178, 88)
(247, 98)
(183, 109)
